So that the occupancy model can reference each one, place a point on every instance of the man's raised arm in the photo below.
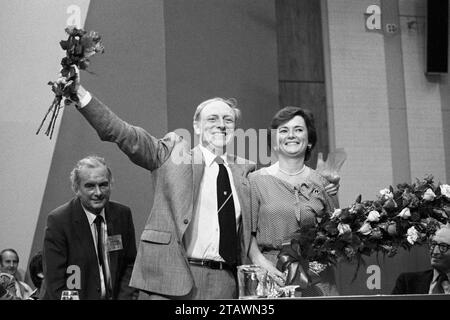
(139, 145)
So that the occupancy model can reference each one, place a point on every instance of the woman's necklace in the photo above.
(293, 173)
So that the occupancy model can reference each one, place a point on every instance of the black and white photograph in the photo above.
(233, 157)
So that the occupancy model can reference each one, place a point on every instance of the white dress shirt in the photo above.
(84, 100)
(203, 234)
(91, 217)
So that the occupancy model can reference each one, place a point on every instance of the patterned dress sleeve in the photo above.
(255, 202)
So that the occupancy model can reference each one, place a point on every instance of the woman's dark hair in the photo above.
(288, 113)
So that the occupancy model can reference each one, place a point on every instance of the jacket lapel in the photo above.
(83, 230)
(198, 167)
(423, 285)
(113, 256)
(241, 184)
(239, 181)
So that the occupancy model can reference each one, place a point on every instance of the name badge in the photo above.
(115, 243)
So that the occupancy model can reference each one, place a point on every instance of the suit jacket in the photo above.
(161, 264)
(68, 241)
(413, 282)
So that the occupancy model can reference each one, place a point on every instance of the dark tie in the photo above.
(227, 219)
(439, 289)
(100, 248)
(98, 223)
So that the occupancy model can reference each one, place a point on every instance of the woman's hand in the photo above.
(272, 271)
(329, 169)
(332, 188)
(258, 258)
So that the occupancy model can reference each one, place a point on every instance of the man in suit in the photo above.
(89, 242)
(434, 281)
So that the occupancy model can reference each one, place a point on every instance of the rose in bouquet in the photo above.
(79, 47)
(399, 218)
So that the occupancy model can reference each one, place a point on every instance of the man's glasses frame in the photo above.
(443, 247)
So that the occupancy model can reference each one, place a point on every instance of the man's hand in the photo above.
(81, 92)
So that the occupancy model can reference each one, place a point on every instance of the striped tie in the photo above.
(102, 256)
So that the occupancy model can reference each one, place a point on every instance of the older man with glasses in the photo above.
(435, 280)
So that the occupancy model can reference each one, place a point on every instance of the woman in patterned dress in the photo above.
(288, 194)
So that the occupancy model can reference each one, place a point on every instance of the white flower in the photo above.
(343, 228)
(392, 228)
(445, 190)
(336, 214)
(429, 195)
(386, 193)
(62, 80)
(373, 216)
(317, 267)
(365, 229)
(405, 213)
(412, 235)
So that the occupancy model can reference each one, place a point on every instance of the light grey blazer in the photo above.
(161, 264)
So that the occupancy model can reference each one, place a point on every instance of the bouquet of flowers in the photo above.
(399, 218)
(79, 47)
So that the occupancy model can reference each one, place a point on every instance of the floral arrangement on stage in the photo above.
(399, 218)
(79, 47)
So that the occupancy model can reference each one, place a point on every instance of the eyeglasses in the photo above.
(443, 247)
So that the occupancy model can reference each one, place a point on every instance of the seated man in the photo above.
(90, 239)
(9, 261)
(435, 280)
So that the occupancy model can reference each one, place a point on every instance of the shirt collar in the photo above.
(210, 157)
(436, 275)
(91, 216)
